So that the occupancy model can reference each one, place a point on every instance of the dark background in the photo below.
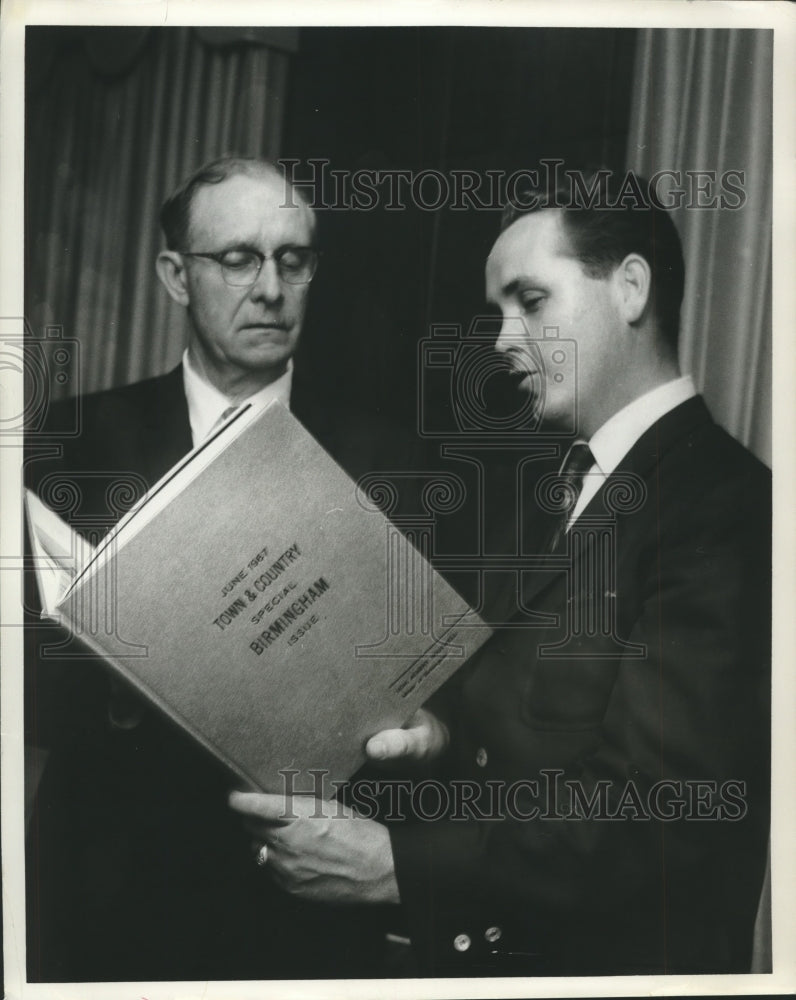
(445, 99)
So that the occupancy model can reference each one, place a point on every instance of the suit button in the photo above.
(481, 757)
(492, 934)
(461, 942)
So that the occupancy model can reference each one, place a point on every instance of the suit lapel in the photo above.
(664, 435)
(165, 427)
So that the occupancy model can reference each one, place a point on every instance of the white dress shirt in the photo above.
(616, 437)
(206, 404)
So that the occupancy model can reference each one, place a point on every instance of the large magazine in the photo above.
(256, 597)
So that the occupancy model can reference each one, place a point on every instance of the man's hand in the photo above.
(423, 738)
(321, 850)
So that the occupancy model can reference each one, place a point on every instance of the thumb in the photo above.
(394, 743)
(424, 736)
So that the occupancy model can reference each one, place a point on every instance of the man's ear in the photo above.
(633, 285)
(170, 268)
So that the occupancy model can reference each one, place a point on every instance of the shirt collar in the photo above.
(616, 437)
(206, 403)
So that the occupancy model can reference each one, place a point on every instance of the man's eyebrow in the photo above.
(505, 292)
(524, 282)
(250, 247)
(234, 244)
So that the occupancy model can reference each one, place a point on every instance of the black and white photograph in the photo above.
(398, 565)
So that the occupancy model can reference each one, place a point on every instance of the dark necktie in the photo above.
(577, 463)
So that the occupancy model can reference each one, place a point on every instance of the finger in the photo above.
(259, 829)
(271, 808)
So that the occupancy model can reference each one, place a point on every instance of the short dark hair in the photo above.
(175, 214)
(607, 216)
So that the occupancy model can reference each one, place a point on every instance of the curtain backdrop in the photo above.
(703, 101)
(115, 119)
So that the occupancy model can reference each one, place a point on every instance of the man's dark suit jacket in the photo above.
(626, 895)
(136, 868)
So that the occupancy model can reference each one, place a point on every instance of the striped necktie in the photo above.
(577, 463)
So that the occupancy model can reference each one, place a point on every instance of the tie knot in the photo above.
(221, 420)
(578, 461)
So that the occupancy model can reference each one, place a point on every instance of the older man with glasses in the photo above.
(240, 258)
(136, 869)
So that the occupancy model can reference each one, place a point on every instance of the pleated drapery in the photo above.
(103, 152)
(703, 102)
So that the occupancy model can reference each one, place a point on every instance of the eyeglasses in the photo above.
(240, 268)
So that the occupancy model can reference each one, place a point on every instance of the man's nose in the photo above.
(512, 334)
(268, 285)
(502, 343)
